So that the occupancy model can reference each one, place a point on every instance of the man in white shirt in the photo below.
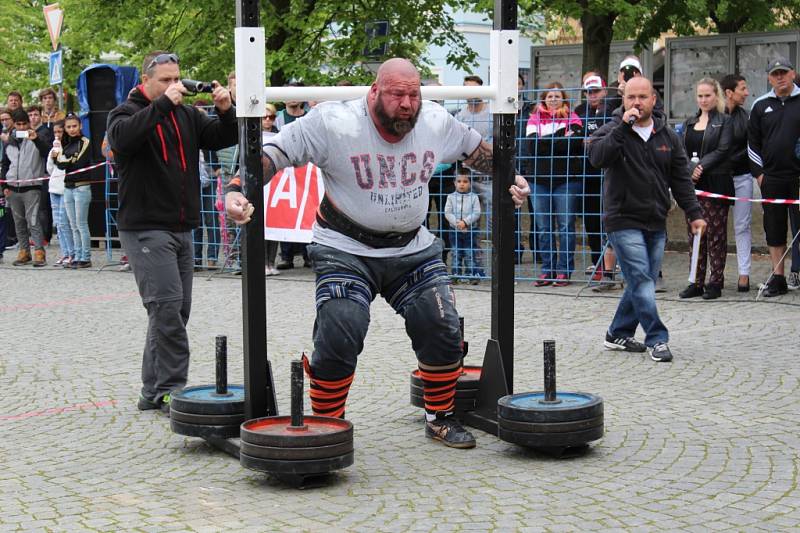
(377, 155)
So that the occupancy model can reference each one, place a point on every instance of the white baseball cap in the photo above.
(594, 82)
(631, 62)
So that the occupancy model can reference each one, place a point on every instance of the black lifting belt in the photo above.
(330, 217)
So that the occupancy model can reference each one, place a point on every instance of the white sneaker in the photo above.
(271, 271)
(793, 281)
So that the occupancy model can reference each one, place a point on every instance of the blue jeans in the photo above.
(465, 250)
(639, 254)
(76, 203)
(561, 202)
(62, 225)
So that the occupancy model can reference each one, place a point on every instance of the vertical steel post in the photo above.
(259, 390)
(221, 346)
(503, 216)
(550, 371)
(297, 394)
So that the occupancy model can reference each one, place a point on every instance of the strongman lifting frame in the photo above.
(498, 366)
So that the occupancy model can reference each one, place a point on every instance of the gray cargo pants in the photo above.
(25, 208)
(162, 264)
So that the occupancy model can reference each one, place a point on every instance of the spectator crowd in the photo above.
(731, 151)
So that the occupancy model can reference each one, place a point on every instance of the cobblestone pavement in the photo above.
(708, 442)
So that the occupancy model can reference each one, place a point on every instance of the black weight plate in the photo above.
(550, 440)
(203, 431)
(529, 407)
(462, 404)
(315, 466)
(469, 378)
(296, 454)
(277, 431)
(550, 427)
(203, 400)
(460, 393)
(207, 420)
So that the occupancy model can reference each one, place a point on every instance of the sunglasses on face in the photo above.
(161, 59)
(271, 117)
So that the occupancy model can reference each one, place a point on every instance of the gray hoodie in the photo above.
(462, 206)
(23, 160)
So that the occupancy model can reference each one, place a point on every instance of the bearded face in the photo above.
(400, 116)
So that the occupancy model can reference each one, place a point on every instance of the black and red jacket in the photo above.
(156, 148)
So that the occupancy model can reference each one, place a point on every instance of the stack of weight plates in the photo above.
(201, 412)
(574, 419)
(466, 389)
(271, 444)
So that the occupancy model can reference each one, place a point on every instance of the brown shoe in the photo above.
(23, 258)
(39, 259)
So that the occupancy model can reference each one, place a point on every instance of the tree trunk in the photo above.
(598, 30)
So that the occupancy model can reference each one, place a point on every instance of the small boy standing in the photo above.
(462, 211)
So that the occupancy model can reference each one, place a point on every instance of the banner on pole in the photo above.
(54, 16)
(291, 199)
(56, 67)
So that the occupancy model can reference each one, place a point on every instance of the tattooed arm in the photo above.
(482, 161)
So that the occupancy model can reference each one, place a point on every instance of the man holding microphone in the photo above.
(643, 160)
(156, 140)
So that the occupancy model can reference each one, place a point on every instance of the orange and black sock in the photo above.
(439, 387)
(328, 398)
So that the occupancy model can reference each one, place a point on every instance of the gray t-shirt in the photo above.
(379, 185)
(480, 121)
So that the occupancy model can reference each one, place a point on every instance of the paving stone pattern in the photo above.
(708, 442)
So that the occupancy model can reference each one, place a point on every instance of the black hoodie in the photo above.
(156, 153)
(639, 175)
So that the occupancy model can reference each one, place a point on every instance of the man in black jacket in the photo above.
(156, 140)
(643, 159)
(772, 134)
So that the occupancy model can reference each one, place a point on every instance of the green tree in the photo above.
(644, 20)
(24, 48)
(318, 41)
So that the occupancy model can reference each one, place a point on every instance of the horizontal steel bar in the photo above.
(432, 92)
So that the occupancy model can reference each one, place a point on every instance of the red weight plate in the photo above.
(278, 431)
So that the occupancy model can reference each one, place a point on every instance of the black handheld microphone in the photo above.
(631, 120)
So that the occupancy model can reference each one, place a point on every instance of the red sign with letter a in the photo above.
(291, 199)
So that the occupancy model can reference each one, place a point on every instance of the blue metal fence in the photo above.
(559, 232)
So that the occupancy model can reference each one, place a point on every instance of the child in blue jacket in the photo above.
(463, 211)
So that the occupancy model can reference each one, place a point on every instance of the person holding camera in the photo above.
(24, 162)
(156, 140)
(630, 67)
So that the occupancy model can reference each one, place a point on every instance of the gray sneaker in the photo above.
(660, 353)
(449, 431)
(793, 281)
(625, 344)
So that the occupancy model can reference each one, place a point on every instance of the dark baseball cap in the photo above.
(779, 63)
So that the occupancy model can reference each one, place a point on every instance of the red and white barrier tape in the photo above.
(755, 200)
(46, 178)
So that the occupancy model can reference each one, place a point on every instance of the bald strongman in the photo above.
(377, 155)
